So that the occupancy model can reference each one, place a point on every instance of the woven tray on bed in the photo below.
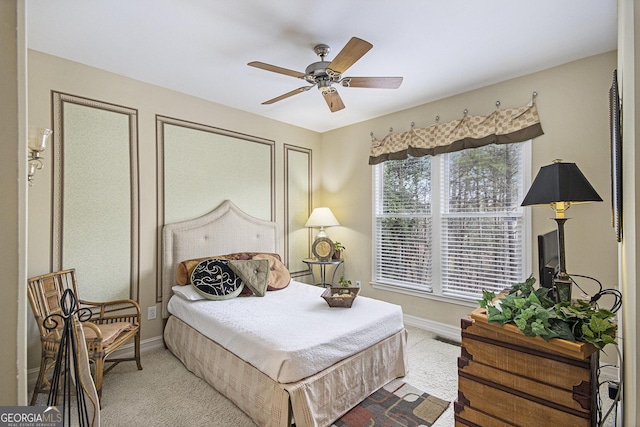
(340, 297)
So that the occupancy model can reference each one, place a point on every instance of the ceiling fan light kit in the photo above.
(323, 74)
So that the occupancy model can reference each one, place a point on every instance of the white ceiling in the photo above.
(202, 47)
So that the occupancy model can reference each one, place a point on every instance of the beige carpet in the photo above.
(165, 393)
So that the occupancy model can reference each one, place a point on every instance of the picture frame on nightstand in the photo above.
(323, 249)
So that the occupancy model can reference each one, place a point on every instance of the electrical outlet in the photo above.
(613, 391)
(151, 312)
(357, 283)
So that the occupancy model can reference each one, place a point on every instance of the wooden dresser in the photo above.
(508, 379)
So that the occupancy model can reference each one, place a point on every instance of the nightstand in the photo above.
(323, 270)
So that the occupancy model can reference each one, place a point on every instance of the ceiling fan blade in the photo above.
(287, 95)
(276, 69)
(349, 54)
(372, 82)
(333, 100)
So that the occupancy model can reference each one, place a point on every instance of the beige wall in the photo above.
(573, 106)
(47, 73)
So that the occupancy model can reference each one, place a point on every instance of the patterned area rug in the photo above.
(394, 405)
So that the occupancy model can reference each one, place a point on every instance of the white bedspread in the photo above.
(291, 333)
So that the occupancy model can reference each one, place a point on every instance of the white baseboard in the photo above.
(609, 373)
(126, 350)
(441, 329)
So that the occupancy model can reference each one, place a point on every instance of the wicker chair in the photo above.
(113, 324)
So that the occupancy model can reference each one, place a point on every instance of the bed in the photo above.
(296, 361)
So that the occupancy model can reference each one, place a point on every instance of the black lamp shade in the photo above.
(560, 182)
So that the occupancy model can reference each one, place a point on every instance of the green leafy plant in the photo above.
(344, 282)
(338, 250)
(588, 324)
(535, 314)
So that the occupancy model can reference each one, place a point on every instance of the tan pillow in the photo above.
(279, 276)
(254, 274)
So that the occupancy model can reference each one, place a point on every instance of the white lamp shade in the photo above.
(322, 217)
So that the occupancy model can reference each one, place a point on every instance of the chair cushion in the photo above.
(110, 331)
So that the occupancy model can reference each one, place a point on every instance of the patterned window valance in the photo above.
(500, 127)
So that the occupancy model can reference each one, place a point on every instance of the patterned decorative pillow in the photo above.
(254, 274)
(185, 268)
(279, 276)
(214, 279)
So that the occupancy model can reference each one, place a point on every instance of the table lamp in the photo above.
(322, 217)
(560, 185)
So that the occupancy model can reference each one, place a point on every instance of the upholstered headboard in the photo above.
(222, 231)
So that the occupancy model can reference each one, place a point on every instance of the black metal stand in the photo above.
(323, 271)
(67, 360)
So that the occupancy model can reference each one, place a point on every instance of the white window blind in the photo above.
(481, 220)
(403, 250)
(480, 253)
(468, 233)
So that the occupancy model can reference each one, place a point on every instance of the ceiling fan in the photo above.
(324, 74)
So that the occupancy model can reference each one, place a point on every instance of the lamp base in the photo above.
(562, 282)
(562, 289)
(321, 233)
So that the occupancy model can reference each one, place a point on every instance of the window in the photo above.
(451, 225)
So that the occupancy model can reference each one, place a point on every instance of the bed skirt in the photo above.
(316, 401)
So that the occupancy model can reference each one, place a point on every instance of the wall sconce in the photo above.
(37, 144)
(560, 185)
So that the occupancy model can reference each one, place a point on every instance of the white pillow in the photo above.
(187, 292)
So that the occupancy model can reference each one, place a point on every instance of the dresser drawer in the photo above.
(514, 409)
(467, 416)
(540, 377)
